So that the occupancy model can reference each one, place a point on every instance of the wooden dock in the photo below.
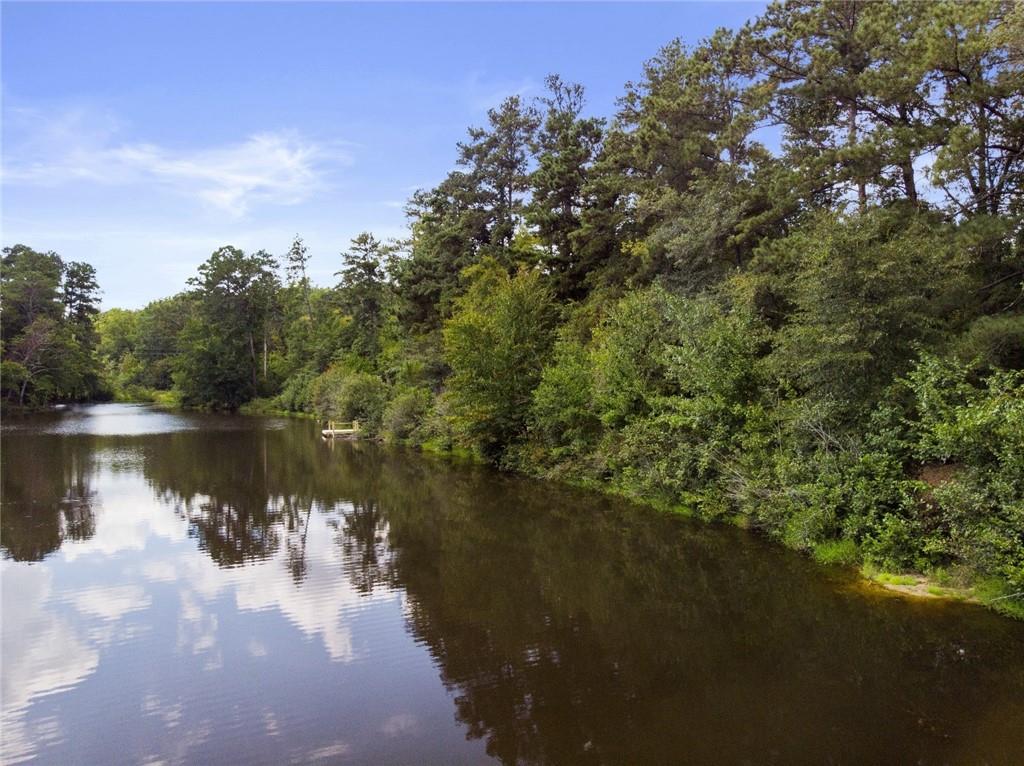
(346, 430)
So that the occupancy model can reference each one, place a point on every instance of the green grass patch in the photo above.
(953, 593)
(888, 578)
(996, 595)
(167, 398)
(836, 552)
(872, 572)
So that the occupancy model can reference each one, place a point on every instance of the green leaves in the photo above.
(864, 291)
(46, 327)
(496, 344)
(223, 350)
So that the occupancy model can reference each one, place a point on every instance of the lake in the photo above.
(208, 589)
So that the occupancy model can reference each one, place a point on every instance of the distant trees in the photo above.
(46, 327)
(224, 346)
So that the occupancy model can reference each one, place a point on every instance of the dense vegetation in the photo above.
(47, 333)
(823, 339)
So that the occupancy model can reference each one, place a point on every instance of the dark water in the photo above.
(216, 590)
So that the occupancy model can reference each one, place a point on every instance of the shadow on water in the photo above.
(568, 627)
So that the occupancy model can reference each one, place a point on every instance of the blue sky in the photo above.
(140, 137)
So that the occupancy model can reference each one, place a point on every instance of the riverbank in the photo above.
(939, 584)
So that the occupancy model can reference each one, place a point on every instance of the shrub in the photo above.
(628, 355)
(562, 415)
(296, 396)
(340, 394)
(496, 344)
(864, 291)
(405, 414)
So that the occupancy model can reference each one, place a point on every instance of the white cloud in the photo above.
(110, 602)
(275, 167)
(40, 654)
(399, 724)
(483, 93)
(337, 749)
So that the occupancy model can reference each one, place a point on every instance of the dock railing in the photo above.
(341, 428)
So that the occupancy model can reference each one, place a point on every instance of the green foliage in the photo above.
(682, 447)
(978, 427)
(406, 413)
(223, 348)
(46, 328)
(566, 146)
(362, 294)
(344, 395)
(496, 344)
(562, 415)
(842, 552)
(628, 359)
(297, 393)
(864, 293)
(995, 341)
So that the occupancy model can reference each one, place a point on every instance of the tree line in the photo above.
(48, 334)
(783, 284)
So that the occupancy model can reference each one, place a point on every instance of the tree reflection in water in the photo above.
(47, 496)
(573, 628)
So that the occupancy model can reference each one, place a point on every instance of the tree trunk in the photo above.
(909, 182)
(252, 357)
(851, 142)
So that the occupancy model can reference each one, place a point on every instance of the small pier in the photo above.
(344, 430)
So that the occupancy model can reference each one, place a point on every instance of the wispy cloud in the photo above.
(277, 167)
(484, 93)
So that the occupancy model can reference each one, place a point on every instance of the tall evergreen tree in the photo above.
(497, 158)
(565, 146)
(362, 288)
(295, 270)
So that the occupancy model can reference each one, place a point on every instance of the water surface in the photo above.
(204, 589)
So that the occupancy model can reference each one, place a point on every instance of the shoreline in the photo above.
(910, 585)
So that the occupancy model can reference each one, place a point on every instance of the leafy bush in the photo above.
(976, 424)
(496, 344)
(628, 355)
(340, 394)
(296, 396)
(405, 414)
(562, 415)
(864, 291)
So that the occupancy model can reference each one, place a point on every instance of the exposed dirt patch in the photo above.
(937, 474)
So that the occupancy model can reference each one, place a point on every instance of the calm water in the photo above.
(216, 590)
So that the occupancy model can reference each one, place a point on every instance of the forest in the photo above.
(782, 286)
